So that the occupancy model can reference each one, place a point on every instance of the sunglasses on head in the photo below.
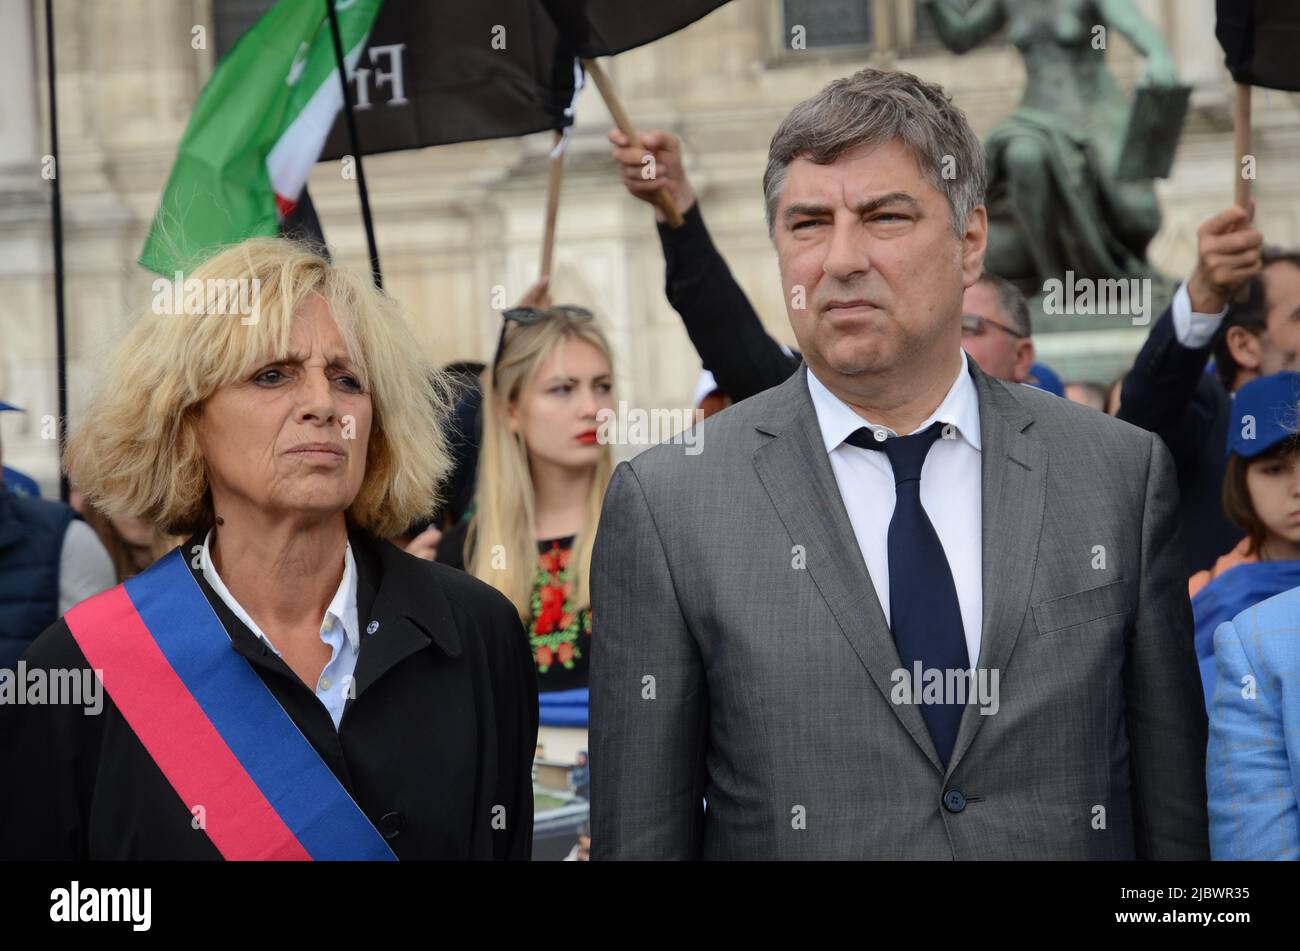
(974, 325)
(533, 315)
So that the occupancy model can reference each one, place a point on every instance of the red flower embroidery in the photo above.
(552, 610)
(552, 598)
(556, 623)
(553, 560)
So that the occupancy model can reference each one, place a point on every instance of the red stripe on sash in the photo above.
(175, 731)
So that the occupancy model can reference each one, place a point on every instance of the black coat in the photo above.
(441, 731)
(1169, 393)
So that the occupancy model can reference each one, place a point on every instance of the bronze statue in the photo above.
(1056, 201)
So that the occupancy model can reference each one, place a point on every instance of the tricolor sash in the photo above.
(217, 733)
(1238, 588)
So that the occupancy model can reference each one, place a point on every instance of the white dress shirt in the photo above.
(1193, 330)
(339, 630)
(951, 484)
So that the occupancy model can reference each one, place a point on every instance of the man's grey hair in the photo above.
(1011, 302)
(874, 107)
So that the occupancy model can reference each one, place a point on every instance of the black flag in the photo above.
(607, 27)
(436, 72)
(440, 71)
(1261, 39)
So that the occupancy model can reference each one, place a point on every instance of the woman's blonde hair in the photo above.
(500, 545)
(136, 452)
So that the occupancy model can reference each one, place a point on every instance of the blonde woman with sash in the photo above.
(287, 684)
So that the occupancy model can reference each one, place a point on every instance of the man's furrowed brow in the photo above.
(804, 209)
(868, 205)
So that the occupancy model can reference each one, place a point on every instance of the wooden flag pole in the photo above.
(1241, 135)
(662, 198)
(552, 203)
(1241, 143)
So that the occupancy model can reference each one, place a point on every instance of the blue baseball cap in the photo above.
(1264, 412)
(1046, 379)
(10, 408)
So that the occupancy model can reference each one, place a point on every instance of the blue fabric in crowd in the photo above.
(1045, 378)
(563, 707)
(1227, 596)
(19, 483)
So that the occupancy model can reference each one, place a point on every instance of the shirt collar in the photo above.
(343, 608)
(344, 605)
(960, 408)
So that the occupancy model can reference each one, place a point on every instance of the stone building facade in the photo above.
(455, 222)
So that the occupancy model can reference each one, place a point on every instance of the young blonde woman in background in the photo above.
(542, 476)
(540, 483)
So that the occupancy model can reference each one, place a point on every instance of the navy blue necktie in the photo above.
(924, 613)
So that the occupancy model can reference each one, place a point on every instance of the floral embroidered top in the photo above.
(559, 632)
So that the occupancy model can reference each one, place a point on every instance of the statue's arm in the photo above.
(1125, 17)
(964, 31)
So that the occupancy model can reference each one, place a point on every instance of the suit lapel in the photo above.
(1014, 474)
(796, 473)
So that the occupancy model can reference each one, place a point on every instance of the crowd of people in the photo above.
(407, 563)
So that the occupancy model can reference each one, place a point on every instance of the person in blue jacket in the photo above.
(1261, 496)
(1252, 762)
(1253, 754)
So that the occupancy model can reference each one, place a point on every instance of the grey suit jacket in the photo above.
(742, 670)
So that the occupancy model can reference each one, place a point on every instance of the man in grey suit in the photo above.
(893, 608)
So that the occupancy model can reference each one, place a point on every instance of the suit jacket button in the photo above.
(390, 825)
(954, 800)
